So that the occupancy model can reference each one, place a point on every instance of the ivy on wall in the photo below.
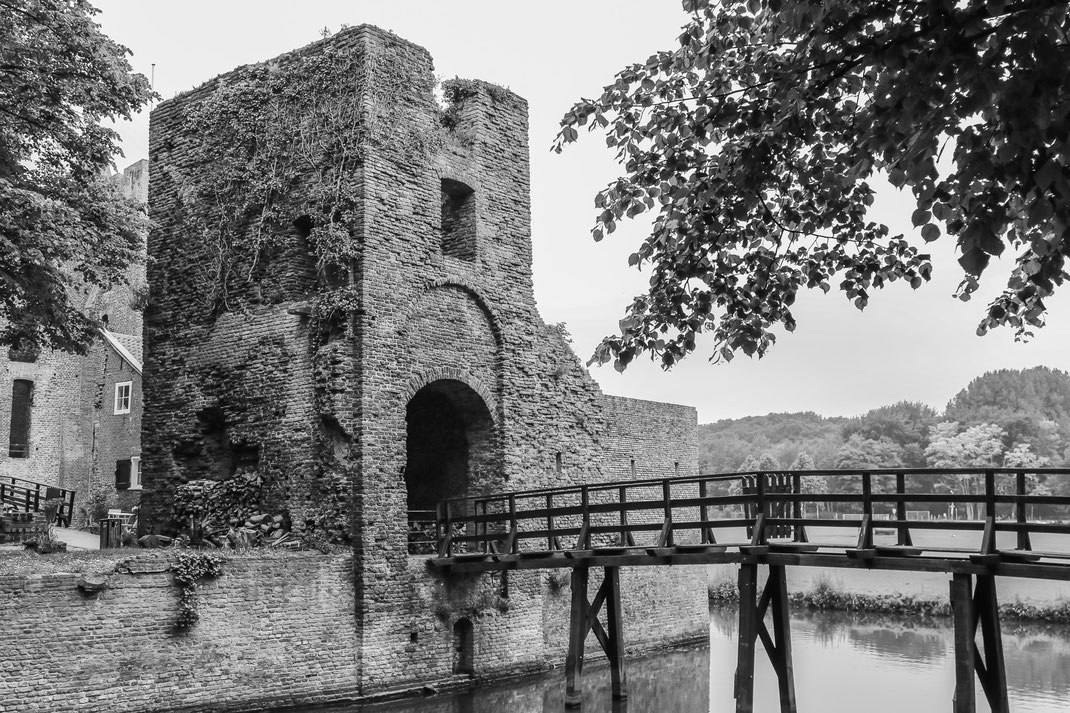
(278, 149)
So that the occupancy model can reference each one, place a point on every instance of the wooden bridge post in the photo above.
(748, 632)
(614, 622)
(577, 634)
(583, 620)
(965, 629)
(752, 627)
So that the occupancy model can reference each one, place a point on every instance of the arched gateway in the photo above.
(448, 443)
(450, 451)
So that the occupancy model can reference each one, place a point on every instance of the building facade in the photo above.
(74, 421)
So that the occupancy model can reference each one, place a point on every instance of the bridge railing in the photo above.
(30, 496)
(750, 509)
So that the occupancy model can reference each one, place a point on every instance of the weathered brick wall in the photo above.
(272, 630)
(278, 630)
(64, 390)
(440, 321)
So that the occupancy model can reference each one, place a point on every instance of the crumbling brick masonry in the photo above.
(341, 299)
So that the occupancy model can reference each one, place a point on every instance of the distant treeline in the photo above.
(1003, 418)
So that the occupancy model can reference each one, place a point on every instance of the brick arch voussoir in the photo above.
(452, 373)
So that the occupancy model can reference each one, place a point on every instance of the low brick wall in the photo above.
(271, 630)
(281, 630)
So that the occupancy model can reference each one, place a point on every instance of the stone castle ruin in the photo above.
(341, 308)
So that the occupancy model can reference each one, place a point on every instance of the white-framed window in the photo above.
(122, 396)
(135, 472)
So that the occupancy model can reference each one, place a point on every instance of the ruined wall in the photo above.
(300, 317)
(276, 630)
(659, 438)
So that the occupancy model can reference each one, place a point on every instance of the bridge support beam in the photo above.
(973, 605)
(584, 620)
(752, 613)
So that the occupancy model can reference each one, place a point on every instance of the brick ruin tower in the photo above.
(341, 307)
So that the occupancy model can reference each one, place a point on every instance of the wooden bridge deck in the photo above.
(882, 521)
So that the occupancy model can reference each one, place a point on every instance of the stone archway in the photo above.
(449, 444)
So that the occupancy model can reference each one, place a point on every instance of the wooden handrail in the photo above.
(664, 512)
(30, 495)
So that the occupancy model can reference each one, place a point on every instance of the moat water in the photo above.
(843, 663)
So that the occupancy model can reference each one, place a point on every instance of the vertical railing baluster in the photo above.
(1020, 512)
(666, 497)
(759, 492)
(867, 495)
(702, 513)
(448, 526)
(990, 494)
(903, 536)
(622, 499)
(514, 527)
(550, 544)
(581, 541)
(439, 518)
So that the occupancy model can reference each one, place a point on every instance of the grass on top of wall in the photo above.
(20, 562)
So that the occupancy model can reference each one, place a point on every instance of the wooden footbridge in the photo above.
(878, 519)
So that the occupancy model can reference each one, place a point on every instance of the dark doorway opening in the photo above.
(449, 454)
(463, 647)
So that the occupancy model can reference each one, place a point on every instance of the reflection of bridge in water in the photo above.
(766, 519)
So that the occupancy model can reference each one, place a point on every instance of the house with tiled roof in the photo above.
(74, 421)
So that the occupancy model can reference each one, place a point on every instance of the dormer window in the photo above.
(458, 220)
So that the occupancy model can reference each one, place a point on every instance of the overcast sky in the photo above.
(911, 345)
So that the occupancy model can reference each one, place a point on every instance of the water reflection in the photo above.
(843, 663)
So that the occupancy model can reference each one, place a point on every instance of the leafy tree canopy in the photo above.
(860, 452)
(1031, 405)
(980, 445)
(905, 423)
(754, 142)
(62, 224)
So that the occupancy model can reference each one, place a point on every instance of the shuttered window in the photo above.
(21, 401)
(122, 474)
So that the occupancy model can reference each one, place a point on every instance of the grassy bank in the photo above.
(825, 595)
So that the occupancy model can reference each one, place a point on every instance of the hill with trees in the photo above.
(1002, 418)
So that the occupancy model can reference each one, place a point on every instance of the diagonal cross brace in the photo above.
(584, 620)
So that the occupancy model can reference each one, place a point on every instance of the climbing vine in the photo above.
(278, 149)
(188, 571)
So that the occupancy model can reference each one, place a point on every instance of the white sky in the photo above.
(911, 345)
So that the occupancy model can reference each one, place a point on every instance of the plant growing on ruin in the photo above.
(188, 571)
(303, 123)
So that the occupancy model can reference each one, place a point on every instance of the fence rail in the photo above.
(866, 514)
(30, 496)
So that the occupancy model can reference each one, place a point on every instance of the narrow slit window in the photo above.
(122, 396)
(21, 402)
(458, 220)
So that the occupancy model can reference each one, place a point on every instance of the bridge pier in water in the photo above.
(752, 613)
(975, 605)
(584, 620)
